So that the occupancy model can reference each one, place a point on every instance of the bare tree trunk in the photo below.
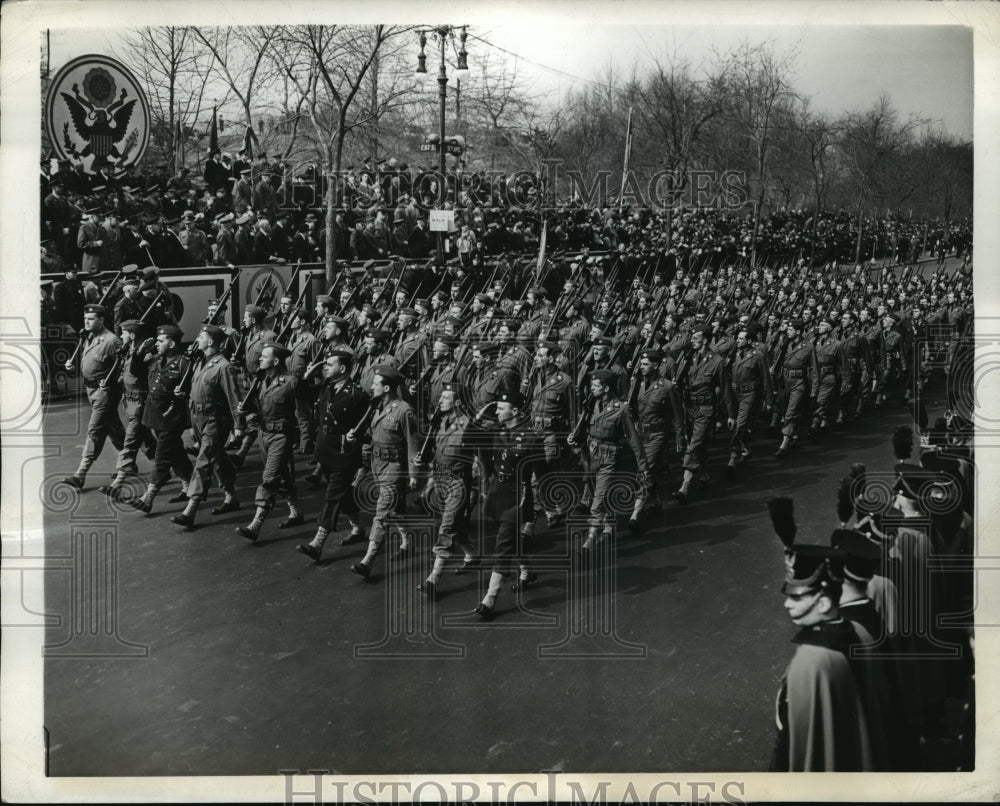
(332, 192)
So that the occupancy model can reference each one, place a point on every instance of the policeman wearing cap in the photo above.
(374, 352)
(393, 447)
(98, 355)
(751, 389)
(134, 361)
(515, 456)
(610, 428)
(552, 412)
(166, 420)
(799, 379)
(454, 437)
(274, 402)
(341, 406)
(703, 377)
(820, 709)
(659, 409)
(305, 352)
(213, 406)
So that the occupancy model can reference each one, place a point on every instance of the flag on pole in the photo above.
(213, 134)
(248, 138)
(628, 152)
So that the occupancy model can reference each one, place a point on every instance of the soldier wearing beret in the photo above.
(552, 412)
(275, 403)
(213, 406)
(334, 334)
(799, 378)
(341, 406)
(393, 446)
(485, 381)
(306, 351)
(515, 456)
(165, 418)
(610, 428)
(130, 305)
(453, 438)
(374, 354)
(410, 346)
(133, 363)
(751, 389)
(704, 378)
(98, 355)
(442, 373)
(659, 409)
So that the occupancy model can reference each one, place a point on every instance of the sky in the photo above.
(927, 71)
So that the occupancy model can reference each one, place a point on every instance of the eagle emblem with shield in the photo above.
(97, 114)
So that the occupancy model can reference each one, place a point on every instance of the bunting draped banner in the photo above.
(97, 114)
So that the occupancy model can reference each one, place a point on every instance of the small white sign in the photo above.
(441, 221)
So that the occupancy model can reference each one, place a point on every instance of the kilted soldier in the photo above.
(166, 417)
(551, 415)
(829, 370)
(705, 378)
(304, 349)
(659, 408)
(134, 358)
(213, 406)
(340, 407)
(799, 378)
(455, 439)
(515, 456)
(97, 357)
(393, 446)
(750, 377)
(275, 403)
(611, 427)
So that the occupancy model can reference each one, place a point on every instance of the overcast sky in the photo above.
(926, 70)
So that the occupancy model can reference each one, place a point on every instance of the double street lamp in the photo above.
(442, 33)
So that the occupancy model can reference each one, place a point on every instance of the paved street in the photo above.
(666, 658)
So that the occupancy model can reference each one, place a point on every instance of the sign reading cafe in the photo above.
(96, 113)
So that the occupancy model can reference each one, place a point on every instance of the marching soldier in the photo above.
(551, 414)
(334, 334)
(213, 406)
(893, 362)
(375, 356)
(513, 355)
(750, 380)
(134, 358)
(255, 335)
(98, 356)
(799, 377)
(830, 370)
(486, 381)
(341, 406)
(276, 406)
(515, 456)
(454, 444)
(610, 429)
(393, 446)
(658, 407)
(705, 377)
(166, 418)
(857, 364)
(304, 350)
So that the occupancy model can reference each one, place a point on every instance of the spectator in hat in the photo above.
(242, 191)
(193, 241)
(90, 238)
(245, 234)
(281, 238)
(226, 252)
(69, 298)
(57, 217)
(217, 175)
(265, 198)
(420, 241)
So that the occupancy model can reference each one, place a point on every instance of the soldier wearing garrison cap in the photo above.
(275, 403)
(393, 447)
(454, 437)
(213, 406)
(97, 357)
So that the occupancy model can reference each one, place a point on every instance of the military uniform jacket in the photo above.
(610, 426)
(854, 354)
(254, 346)
(99, 352)
(892, 353)
(410, 353)
(489, 383)
(829, 359)
(873, 336)
(164, 374)
(394, 437)
(551, 401)
(214, 391)
(657, 406)
(750, 373)
(337, 411)
(276, 403)
(441, 374)
(724, 345)
(800, 364)
(677, 345)
(305, 349)
(704, 374)
(126, 309)
(367, 366)
(135, 373)
(455, 445)
(514, 455)
(515, 358)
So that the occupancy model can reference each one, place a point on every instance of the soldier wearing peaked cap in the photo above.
(455, 435)
(820, 709)
(213, 406)
(275, 404)
(393, 447)
(97, 358)
(166, 419)
(610, 428)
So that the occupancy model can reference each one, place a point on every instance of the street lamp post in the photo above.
(442, 32)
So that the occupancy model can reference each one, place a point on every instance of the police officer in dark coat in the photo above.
(340, 407)
(166, 416)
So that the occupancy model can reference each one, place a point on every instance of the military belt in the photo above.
(276, 426)
(452, 468)
(700, 400)
(203, 408)
(548, 422)
(795, 373)
(385, 453)
(136, 397)
(747, 387)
